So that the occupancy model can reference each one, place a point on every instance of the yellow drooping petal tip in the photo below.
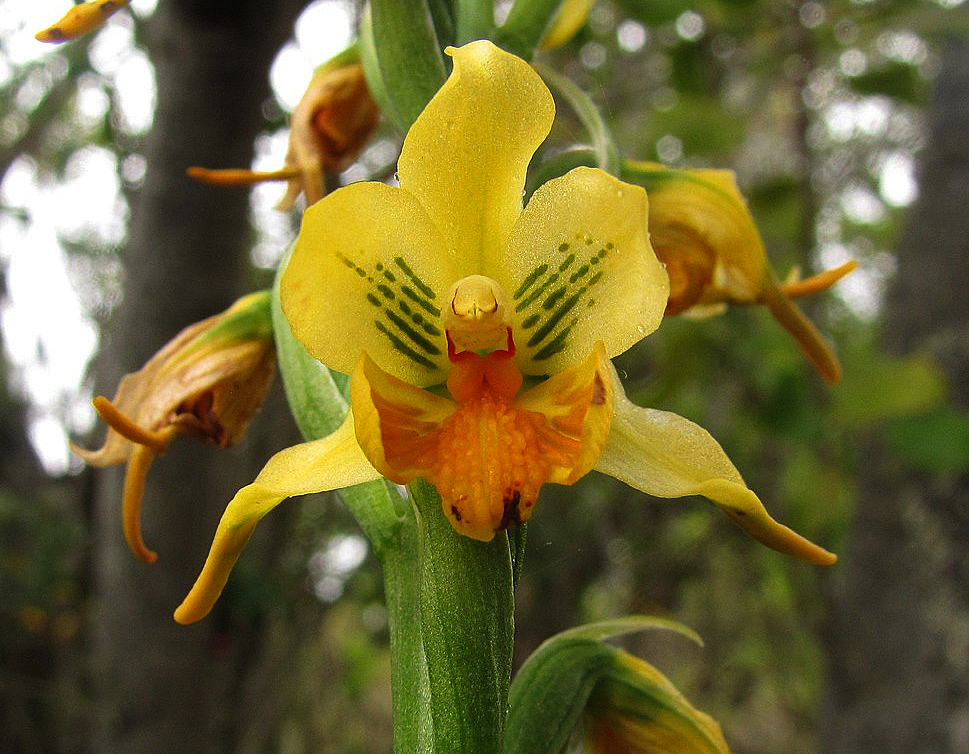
(80, 20)
(230, 540)
(745, 509)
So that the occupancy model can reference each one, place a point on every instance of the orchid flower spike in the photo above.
(509, 314)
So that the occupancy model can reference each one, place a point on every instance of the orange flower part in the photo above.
(489, 449)
(81, 19)
(205, 383)
(334, 119)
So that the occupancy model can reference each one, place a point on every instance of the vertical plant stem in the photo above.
(476, 20)
(467, 621)
(410, 687)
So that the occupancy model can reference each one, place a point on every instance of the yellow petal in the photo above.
(635, 709)
(465, 156)
(665, 455)
(369, 273)
(579, 268)
(327, 464)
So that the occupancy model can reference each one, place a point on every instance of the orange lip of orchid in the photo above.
(487, 453)
(448, 294)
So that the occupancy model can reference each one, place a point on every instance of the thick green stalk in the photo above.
(467, 620)
(410, 687)
(476, 20)
(403, 55)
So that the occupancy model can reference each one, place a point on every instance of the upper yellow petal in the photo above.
(327, 464)
(579, 268)
(665, 455)
(466, 154)
(369, 273)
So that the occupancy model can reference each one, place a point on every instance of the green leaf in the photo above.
(402, 54)
(898, 80)
(549, 694)
(876, 387)
(476, 20)
(936, 442)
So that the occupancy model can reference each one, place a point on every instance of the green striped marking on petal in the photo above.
(550, 297)
(405, 312)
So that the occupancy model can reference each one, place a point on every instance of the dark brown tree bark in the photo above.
(899, 642)
(158, 686)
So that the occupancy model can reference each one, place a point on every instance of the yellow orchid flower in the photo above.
(704, 233)
(207, 382)
(447, 282)
(81, 19)
(334, 118)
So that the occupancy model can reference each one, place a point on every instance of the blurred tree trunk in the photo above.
(158, 686)
(899, 642)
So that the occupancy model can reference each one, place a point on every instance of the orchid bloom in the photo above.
(447, 282)
(702, 230)
(334, 118)
(207, 382)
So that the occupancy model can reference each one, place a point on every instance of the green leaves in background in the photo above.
(936, 442)
(877, 387)
(899, 80)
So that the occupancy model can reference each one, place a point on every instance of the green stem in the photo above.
(476, 20)
(467, 621)
(606, 151)
(402, 53)
(410, 686)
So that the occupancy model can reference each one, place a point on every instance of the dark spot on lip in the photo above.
(511, 516)
(456, 513)
(598, 391)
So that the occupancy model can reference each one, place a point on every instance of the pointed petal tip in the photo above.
(812, 344)
(745, 509)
